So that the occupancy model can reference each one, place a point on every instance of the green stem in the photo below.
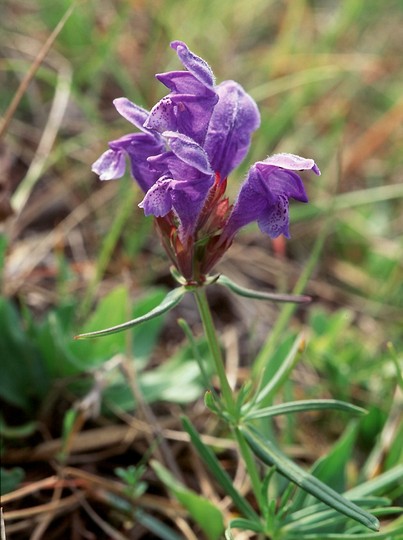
(215, 350)
(214, 346)
(251, 467)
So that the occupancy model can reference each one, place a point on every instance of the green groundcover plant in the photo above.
(181, 157)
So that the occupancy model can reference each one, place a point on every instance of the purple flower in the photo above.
(187, 146)
(265, 194)
(213, 125)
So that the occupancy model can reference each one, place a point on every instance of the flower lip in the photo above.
(158, 200)
(111, 165)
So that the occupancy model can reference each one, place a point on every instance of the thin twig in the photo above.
(67, 503)
(48, 516)
(102, 524)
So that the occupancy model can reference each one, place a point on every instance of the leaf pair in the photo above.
(272, 456)
(174, 297)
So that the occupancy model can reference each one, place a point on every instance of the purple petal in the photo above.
(186, 113)
(275, 182)
(183, 82)
(188, 200)
(162, 116)
(193, 63)
(186, 185)
(132, 112)
(188, 107)
(110, 165)
(141, 169)
(188, 151)
(168, 164)
(158, 199)
(248, 207)
(292, 162)
(138, 147)
(232, 123)
(185, 198)
(275, 220)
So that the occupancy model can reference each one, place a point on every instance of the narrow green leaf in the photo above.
(204, 512)
(69, 424)
(218, 472)
(331, 468)
(316, 513)
(261, 295)
(392, 532)
(304, 406)
(155, 526)
(243, 394)
(210, 402)
(280, 375)
(331, 521)
(21, 431)
(171, 300)
(379, 485)
(269, 454)
(245, 525)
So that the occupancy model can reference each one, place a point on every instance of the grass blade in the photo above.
(269, 454)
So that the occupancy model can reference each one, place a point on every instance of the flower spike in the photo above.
(186, 147)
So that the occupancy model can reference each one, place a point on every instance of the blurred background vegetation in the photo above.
(77, 254)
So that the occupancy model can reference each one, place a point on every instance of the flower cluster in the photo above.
(187, 146)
